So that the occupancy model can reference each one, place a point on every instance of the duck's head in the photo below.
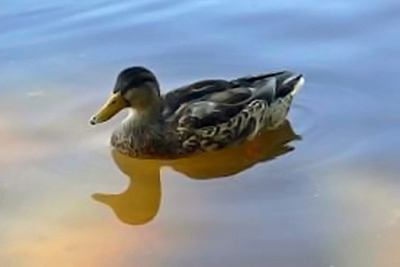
(137, 88)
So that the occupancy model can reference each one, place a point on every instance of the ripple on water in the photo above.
(330, 201)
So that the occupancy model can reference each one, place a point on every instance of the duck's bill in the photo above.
(113, 105)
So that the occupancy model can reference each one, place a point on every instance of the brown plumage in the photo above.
(203, 116)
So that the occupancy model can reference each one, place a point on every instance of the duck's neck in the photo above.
(142, 117)
(142, 134)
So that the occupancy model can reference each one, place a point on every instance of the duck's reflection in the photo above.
(141, 200)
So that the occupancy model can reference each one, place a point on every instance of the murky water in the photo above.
(329, 199)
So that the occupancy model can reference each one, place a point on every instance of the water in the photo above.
(332, 201)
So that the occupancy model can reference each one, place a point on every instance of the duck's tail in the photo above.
(298, 83)
(288, 83)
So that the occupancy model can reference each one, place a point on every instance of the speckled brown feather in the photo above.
(210, 115)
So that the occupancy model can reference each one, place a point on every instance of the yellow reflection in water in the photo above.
(140, 202)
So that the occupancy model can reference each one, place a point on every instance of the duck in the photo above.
(206, 115)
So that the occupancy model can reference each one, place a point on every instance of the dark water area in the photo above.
(328, 200)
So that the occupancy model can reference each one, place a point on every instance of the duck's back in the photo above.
(211, 114)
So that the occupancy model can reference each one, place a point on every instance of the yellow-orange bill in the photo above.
(113, 105)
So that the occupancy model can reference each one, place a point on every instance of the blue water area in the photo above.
(332, 201)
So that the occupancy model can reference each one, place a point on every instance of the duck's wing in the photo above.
(271, 86)
(211, 102)
(205, 103)
(192, 92)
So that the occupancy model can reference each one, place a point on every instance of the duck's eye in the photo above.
(113, 102)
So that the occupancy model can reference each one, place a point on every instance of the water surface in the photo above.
(332, 201)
